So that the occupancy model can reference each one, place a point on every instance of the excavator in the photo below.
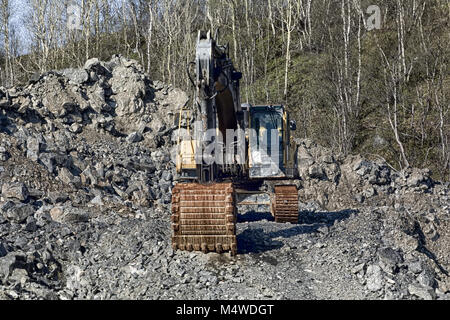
(225, 150)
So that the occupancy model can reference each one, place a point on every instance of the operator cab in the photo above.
(269, 141)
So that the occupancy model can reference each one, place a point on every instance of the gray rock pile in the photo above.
(101, 130)
(412, 218)
(86, 178)
(74, 145)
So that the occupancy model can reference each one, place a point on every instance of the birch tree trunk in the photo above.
(5, 19)
(149, 34)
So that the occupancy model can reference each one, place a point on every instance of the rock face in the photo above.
(86, 175)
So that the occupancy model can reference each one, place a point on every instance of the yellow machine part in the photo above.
(186, 155)
(187, 147)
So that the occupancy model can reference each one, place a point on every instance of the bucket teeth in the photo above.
(285, 204)
(204, 217)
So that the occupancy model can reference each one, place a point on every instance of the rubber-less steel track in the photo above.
(285, 204)
(204, 217)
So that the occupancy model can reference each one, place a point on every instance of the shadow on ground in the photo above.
(257, 240)
(252, 216)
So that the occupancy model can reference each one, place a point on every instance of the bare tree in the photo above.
(287, 16)
(5, 31)
(149, 33)
(392, 76)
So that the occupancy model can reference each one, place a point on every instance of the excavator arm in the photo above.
(217, 99)
(203, 210)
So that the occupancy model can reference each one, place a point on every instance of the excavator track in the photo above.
(285, 204)
(204, 217)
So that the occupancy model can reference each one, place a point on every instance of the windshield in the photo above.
(267, 128)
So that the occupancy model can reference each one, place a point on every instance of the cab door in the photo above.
(266, 150)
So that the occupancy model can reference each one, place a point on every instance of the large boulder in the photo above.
(128, 86)
(60, 98)
(69, 214)
(78, 76)
(17, 212)
(15, 190)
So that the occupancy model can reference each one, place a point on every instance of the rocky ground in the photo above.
(86, 177)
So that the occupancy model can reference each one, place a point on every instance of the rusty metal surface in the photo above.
(204, 217)
(285, 204)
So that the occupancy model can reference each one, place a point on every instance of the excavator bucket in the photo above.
(204, 217)
(285, 204)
